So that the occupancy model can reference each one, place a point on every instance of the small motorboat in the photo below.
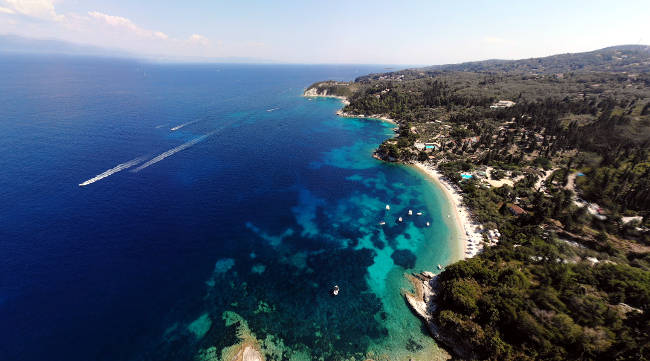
(399, 219)
(439, 267)
(382, 223)
(428, 224)
(387, 207)
(335, 290)
(410, 212)
(419, 213)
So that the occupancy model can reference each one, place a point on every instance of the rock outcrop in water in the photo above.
(247, 349)
(244, 352)
(423, 303)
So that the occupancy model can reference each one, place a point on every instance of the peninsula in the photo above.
(548, 163)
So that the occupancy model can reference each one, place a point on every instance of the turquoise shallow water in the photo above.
(350, 228)
(335, 240)
(246, 203)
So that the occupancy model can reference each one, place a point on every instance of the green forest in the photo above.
(570, 276)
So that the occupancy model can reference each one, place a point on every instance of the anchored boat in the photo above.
(335, 290)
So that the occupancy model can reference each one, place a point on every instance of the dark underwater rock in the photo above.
(404, 258)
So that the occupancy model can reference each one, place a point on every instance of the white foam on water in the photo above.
(170, 152)
(185, 124)
(118, 168)
(161, 125)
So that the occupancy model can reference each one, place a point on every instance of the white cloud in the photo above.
(160, 35)
(124, 23)
(97, 28)
(199, 39)
(42, 9)
(6, 10)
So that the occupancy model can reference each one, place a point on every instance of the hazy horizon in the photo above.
(64, 48)
(337, 32)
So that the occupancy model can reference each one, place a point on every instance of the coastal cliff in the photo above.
(423, 303)
(331, 88)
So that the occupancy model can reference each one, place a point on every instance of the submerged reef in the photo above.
(404, 258)
(272, 288)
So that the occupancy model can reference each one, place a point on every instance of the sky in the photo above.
(422, 32)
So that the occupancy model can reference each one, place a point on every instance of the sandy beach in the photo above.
(467, 231)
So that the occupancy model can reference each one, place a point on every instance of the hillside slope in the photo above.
(557, 150)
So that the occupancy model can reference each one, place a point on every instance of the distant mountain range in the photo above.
(22, 45)
(628, 58)
(631, 58)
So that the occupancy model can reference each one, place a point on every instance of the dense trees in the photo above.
(625, 58)
(513, 303)
(562, 283)
(607, 122)
(623, 184)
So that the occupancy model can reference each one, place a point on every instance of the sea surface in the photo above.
(166, 212)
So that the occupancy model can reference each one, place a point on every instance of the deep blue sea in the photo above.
(166, 212)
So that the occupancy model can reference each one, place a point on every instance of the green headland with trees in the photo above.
(569, 137)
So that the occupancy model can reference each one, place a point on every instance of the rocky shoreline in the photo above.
(423, 304)
(314, 93)
(466, 227)
(383, 117)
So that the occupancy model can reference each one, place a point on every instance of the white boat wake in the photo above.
(118, 168)
(170, 152)
(185, 125)
(160, 126)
